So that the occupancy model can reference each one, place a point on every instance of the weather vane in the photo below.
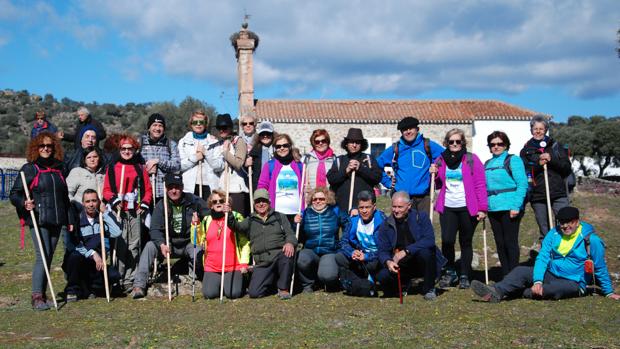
(246, 17)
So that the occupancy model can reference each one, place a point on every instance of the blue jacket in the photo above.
(422, 231)
(413, 163)
(87, 239)
(499, 180)
(350, 242)
(571, 266)
(320, 230)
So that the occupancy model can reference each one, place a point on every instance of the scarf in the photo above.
(453, 159)
(200, 135)
(284, 160)
(537, 143)
(217, 215)
(321, 172)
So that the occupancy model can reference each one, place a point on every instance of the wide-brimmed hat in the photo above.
(354, 134)
(223, 120)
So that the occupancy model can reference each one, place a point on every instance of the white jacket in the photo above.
(212, 166)
(235, 157)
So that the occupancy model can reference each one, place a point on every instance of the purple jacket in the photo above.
(475, 186)
(267, 179)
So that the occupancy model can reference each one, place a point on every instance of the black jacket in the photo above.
(558, 169)
(191, 203)
(50, 196)
(257, 165)
(75, 136)
(368, 175)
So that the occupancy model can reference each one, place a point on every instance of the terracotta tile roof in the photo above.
(390, 111)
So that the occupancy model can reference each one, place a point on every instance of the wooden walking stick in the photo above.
(251, 189)
(549, 211)
(301, 200)
(118, 213)
(351, 188)
(167, 242)
(200, 179)
(226, 181)
(430, 209)
(484, 243)
(38, 235)
(104, 255)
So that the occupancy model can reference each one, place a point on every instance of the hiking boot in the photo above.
(71, 297)
(464, 282)
(38, 302)
(284, 295)
(430, 295)
(485, 292)
(449, 279)
(137, 293)
(308, 289)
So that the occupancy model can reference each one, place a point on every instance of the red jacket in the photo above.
(129, 186)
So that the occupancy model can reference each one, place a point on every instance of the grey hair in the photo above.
(452, 132)
(402, 195)
(83, 110)
(366, 195)
(539, 118)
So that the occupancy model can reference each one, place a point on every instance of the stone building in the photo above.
(376, 118)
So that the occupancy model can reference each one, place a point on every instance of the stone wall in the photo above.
(598, 186)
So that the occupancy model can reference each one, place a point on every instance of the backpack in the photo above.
(470, 162)
(35, 180)
(506, 166)
(272, 165)
(354, 285)
(570, 181)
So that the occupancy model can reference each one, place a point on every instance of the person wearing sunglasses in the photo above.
(132, 200)
(367, 171)
(49, 199)
(248, 130)
(184, 210)
(320, 223)
(211, 236)
(281, 177)
(319, 160)
(506, 189)
(234, 151)
(461, 203)
(261, 151)
(194, 154)
(42, 124)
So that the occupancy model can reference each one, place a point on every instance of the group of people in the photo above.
(252, 208)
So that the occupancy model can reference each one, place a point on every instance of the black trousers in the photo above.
(518, 282)
(506, 234)
(206, 191)
(422, 263)
(455, 220)
(279, 270)
(83, 277)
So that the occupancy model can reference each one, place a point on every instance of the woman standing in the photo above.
(50, 202)
(261, 151)
(506, 189)
(89, 175)
(281, 176)
(131, 200)
(319, 160)
(461, 203)
(211, 237)
(194, 153)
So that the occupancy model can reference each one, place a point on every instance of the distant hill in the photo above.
(17, 110)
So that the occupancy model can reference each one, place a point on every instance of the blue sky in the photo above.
(554, 57)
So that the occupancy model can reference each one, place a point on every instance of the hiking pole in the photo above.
(104, 256)
(226, 181)
(118, 215)
(301, 200)
(484, 242)
(251, 189)
(195, 228)
(167, 242)
(38, 235)
(200, 179)
(549, 211)
(351, 188)
(400, 286)
(430, 209)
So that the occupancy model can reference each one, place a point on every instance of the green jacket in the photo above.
(267, 237)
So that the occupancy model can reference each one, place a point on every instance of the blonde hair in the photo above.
(330, 197)
(452, 132)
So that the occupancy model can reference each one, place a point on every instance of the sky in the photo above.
(554, 57)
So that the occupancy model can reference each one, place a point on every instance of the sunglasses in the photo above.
(455, 141)
(280, 146)
(46, 145)
(261, 201)
(198, 122)
(265, 135)
(126, 148)
(222, 128)
(219, 201)
(318, 199)
(251, 123)
(321, 141)
(500, 144)
(355, 142)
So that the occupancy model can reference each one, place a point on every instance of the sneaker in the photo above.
(284, 295)
(485, 292)
(430, 295)
(38, 303)
(71, 297)
(92, 296)
(308, 289)
(464, 282)
(137, 293)
(448, 279)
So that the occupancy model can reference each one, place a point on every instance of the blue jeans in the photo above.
(518, 282)
(49, 239)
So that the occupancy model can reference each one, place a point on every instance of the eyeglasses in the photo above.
(319, 199)
(455, 141)
(280, 146)
(219, 201)
(251, 123)
(198, 122)
(46, 145)
(355, 142)
(222, 128)
(320, 141)
(128, 149)
(500, 144)
(265, 135)
(261, 201)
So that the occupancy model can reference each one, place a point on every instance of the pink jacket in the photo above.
(475, 186)
(268, 180)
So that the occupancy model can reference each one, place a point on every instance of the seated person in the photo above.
(358, 245)
(407, 246)
(272, 242)
(560, 267)
(181, 209)
(84, 264)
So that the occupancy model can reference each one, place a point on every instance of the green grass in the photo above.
(315, 320)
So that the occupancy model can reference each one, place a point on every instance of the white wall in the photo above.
(518, 132)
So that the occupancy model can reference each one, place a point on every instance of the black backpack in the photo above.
(354, 285)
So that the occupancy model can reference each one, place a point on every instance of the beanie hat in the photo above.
(156, 117)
